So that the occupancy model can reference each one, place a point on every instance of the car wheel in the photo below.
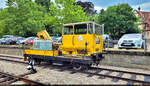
(119, 47)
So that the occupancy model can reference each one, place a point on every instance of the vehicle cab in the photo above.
(83, 38)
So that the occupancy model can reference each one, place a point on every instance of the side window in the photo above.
(98, 30)
(97, 41)
(68, 30)
(90, 28)
(80, 29)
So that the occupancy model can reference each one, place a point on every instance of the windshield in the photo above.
(98, 30)
(68, 30)
(80, 29)
(131, 36)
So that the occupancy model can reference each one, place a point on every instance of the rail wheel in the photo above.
(77, 66)
(50, 62)
(37, 61)
(31, 63)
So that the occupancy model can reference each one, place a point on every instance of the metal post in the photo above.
(145, 46)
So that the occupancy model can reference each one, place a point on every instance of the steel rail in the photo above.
(13, 61)
(96, 68)
(115, 77)
(19, 78)
(10, 56)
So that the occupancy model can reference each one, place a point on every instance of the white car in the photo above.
(131, 41)
(57, 40)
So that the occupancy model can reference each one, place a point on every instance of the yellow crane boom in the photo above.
(44, 35)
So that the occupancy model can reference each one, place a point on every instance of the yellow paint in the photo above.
(40, 52)
(72, 43)
(44, 35)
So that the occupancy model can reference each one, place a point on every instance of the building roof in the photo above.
(145, 17)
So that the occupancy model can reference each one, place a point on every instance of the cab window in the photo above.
(90, 29)
(80, 29)
(98, 30)
(68, 30)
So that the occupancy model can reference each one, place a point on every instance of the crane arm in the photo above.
(44, 35)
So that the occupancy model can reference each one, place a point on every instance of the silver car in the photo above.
(131, 41)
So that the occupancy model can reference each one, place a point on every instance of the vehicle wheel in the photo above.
(37, 62)
(77, 66)
(50, 62)
(119, 47)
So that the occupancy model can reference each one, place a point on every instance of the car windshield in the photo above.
(30, 38)
(132, 36)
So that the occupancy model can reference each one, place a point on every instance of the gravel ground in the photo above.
(54, 76)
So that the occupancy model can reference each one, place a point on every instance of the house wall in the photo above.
(146, 34)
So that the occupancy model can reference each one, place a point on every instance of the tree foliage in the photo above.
(26, 17)
(45, 3)
(22, 18)
(118, 20)
(64, 11)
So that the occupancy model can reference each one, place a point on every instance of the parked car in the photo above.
(6, 41)
(13, 40)
(29, 40)
(115, 41)
(135, 40)
(57, 40)
(8, 36)
(20, 40)
(107, 41)
(1, 40)
(54, 38)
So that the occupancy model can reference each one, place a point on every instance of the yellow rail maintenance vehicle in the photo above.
(81, 46)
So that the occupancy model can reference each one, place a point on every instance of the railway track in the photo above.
(7, 79)
(96, 71)
(130, 81)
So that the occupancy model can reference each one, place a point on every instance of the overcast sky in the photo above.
(99, 4)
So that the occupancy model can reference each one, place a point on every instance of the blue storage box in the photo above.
(42, 44)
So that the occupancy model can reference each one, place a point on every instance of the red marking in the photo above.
(71, 60)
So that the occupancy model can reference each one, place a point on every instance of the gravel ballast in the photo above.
(54, 76)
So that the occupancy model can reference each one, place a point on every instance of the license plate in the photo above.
(127, 44)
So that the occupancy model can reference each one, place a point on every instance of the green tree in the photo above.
(22, 18)
(118, 20)
(45, 3)
(64, 11)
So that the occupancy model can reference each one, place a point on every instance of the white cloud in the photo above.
(98, 8)
(144, 6)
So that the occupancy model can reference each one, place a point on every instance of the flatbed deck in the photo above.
(71, 59)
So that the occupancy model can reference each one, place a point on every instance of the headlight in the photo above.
(138, 41)
(119, 42)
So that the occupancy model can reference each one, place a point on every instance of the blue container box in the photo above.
(42, 44)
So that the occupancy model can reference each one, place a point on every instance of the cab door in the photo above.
(67, 37)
